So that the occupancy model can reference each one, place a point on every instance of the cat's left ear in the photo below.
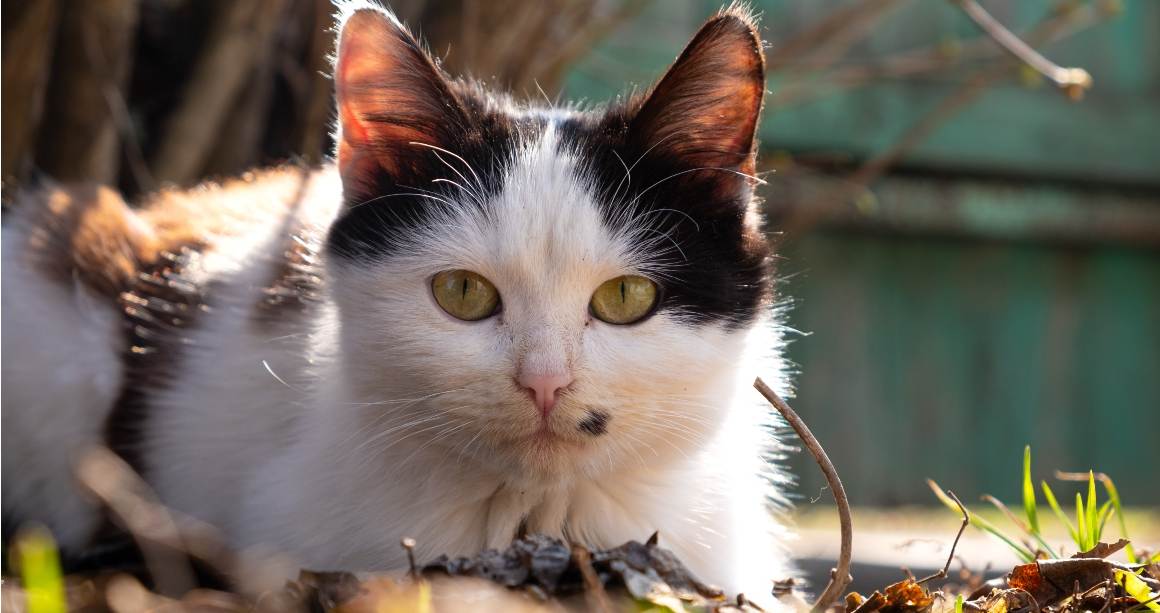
(393, 100)
(704, 111)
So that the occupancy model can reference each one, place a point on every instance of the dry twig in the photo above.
(833, 32)
(959, 98)
(241, 32)
(1073, 81)
(553, 68)
(165, 537)
(408, 544)
(839, 576)
(594, 592)
(924, 62)
(942, 574)
(94, 56)
(29, 34)
(111, 480)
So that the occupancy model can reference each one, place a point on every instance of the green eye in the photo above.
(624, 300)
(465, 295)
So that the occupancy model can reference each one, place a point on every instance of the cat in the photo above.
(483, 317)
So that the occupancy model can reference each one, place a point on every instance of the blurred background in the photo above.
(971, 255)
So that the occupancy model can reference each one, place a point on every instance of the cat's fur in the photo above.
(268, 352)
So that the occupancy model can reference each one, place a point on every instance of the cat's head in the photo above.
(548, 289)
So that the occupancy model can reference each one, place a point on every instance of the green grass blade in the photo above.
(1137, 589)
(1024, 554)
(1080, 523)
(959, 603)
(998, 504)
(1114, 497)
(1055, 508)
(1092, 510)
(1029, 503)
(40, 573)
(1106, 511)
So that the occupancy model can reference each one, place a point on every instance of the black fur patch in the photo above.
(160, 306)
(718, 262)
(411, 137)
(677, 160)
(391, 204)
(595, 423)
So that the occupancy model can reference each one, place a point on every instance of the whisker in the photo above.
(280, 379)
(456, 156)
(685, 172)
(412, 194)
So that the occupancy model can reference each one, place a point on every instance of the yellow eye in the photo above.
(465, 295)
(624, 300)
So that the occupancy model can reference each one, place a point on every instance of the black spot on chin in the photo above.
(596, 423)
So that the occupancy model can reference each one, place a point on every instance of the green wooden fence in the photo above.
(1003, 289)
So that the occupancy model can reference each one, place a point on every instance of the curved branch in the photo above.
(840, 576)
(1073, 81)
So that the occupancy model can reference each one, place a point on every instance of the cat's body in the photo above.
(270, 355)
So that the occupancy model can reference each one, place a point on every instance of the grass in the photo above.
(34, 553)
(1086, 532)
(1142, 522)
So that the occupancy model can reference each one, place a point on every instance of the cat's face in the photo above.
(546, 290)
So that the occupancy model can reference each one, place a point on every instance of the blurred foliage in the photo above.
(140, 93)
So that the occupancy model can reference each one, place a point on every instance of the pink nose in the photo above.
(543, 388)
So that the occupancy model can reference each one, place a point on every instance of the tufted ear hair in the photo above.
(391, 95)
(704, 111)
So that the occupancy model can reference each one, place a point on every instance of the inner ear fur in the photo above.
(704, 111)
(390, 96)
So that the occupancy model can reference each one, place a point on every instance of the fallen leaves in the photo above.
(547, 567)
(906, 595)
(1086, 582)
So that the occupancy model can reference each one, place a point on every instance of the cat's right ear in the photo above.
(391, 95)
(704, 112)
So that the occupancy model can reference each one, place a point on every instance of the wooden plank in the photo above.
(973, 208)
(934, 358)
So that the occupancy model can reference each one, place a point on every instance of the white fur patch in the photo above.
(62, 373)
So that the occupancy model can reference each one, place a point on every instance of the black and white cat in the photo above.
(484, 317)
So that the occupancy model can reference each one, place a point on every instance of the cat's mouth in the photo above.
(552, 438)
(555, 437)
(546, 435)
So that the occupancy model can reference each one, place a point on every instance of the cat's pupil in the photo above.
(464, 295)
(623, 296)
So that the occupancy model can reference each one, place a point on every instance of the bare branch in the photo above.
(942, 574)
(840, 576)
(28, 50)
(594, 592)
(551, 71)
(835, 26)
(408, 544)
(241, 31)
(962, 96)
(81, 141)
(925, 62)
(107, 476)
(166, 537)
(1076, 476)
(1073, 81)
